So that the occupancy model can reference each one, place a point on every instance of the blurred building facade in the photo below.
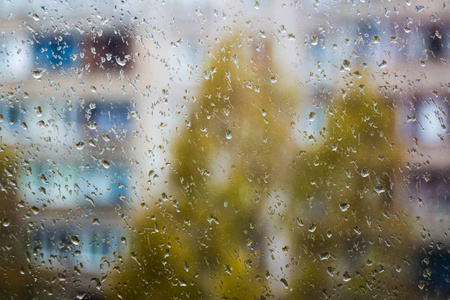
(92, 92)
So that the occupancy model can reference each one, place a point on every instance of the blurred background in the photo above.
(224, 149)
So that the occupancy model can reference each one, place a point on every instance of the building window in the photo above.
(112, 50)
(55, 52)
(109, 119)
(430, 120)
(104, 187)
(436, 41)
(15, 57)
(42, 183)
(431, 190)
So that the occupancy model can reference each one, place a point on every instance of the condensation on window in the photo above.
(245, 149)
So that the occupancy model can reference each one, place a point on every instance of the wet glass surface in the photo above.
(224, 149)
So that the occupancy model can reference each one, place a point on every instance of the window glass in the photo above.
(213, 149)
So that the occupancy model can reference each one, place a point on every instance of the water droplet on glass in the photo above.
(106, 137)
(324, 256)
(38, 73)
(79, 145)
(105, 163)
(346, 64)
(382, 64)
(284, 282)
(346, 277)
(312, 228)
(6, 222)
(314, 40)
(35, 17)
(364, 173)
(74, 240)
(92, 125)
(228, 135)
(379, 189)
(420, 8)
(89, 199)
(38, 110)
(121, 62)
(344, 206)
(35, 210)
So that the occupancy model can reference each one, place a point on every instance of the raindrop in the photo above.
(121, 62)
(35, 210)
(38, 73)
(105, 163)
(364, 173)
(285, 283)
(228, 135)
(106, 137)
(346, 64)
(228, 270)
(346, 277)
(74, 240)
(90, 200)
(344, 206)
(382, 64)
(420, 8)
(92, 125)
(312, 116)
(324, 256)
(6, 222)
(35, 17)
(38, 110)
(379, 189)
(79, 145)
(312, 228)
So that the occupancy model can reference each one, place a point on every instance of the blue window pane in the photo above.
(111, 117)
(55, 52)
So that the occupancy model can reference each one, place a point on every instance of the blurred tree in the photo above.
(351, 236)
(13, 269)
(207, 238)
